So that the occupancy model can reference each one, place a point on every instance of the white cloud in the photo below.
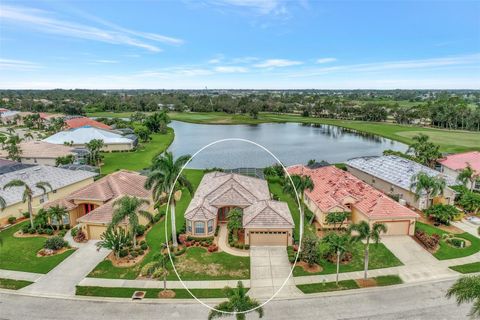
(230, 69)
(326, 60)
(263, 7)
(18, 65)
(106, 61)
(44, 22)
(276, 63)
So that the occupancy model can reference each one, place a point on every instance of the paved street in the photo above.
(419, 301)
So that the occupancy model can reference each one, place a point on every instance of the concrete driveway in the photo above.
(64, 277)
(269, 268)
(419, 264)
(467, 226)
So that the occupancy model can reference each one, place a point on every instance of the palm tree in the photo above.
(158, 267)
(115, 240)
(161, 181)
(3, 203)
(340, 243)
(94, 147)
(301, 184)
(432, 186)
(129, 208)
(238, 301)
(467, 289)
(468, 175)
(28, 135)
(57, 213)
(365, 232)
(235, 221)
(28, 192)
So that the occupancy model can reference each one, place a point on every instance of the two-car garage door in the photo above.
(396, 228)
(268, 238)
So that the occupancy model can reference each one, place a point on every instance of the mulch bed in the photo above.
(366, 283)
(39, 253)
(166, 294)
(126, 262)
(20, 234)
(312, 269)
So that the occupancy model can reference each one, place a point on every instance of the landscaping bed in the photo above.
(20, 254)
(350, 284)
(445, 249)
(380, 257)
(150, 293)
(13, 284)
(467, 268)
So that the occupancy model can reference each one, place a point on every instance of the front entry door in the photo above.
(223, 214)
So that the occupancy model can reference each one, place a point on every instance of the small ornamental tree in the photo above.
(442, 213)
(114, 239)
(309, 252)
(470, 201)
(235, 223)
(337, 218)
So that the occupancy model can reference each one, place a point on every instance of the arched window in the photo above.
(210, 226)
(199, 227)
(189, 226)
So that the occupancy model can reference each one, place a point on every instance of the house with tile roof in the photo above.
(79, 137)
(336, 190)
(41, 152)
(395, 175)
(265, 221)
(453, 164)
(63, 182)
(92, 206)
(78, 122)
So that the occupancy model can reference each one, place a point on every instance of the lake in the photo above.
(292, 143)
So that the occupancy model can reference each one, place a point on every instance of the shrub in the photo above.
(31, 230)
(123, 253)
(49, 231)
(430, 242)
(25, 229)
(247, 246)
(309, 252)
(144, 246)
(291, 254)
(141, 230)
(456, 242)
(212, 248)
(26, 214)
(55, 243)
(67, 226)
(40, 230)
(142, 242)
(442, 213)
(62, 233)
(140, 252)
(133, 254)
(74, 232)
(217, 229)
(12, 220)
(180, 252)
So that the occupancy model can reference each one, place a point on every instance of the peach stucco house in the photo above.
(453, 164)
(339, 191)
(92, 206)
(265, 221)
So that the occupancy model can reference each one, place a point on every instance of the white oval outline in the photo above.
(299, 209)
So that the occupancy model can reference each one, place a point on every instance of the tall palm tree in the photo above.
(158, 267)
(363, 232)
(238, 301)
(467, 289)
(57, 213)
(468, 175)
(3, 203)
(432, 186)
(301, 183)
(129, 208)
(28, 192)
(161, 181)
(340, 243)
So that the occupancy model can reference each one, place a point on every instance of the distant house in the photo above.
(9, 116)
(63, 182)
(7, 166)
(92, 206)
(81, 136)
(265, 221)
(394, 176)
(40, 152)
(339, 191)
(78, 122)
(453, 164)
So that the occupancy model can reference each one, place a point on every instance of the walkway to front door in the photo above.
(269, 268)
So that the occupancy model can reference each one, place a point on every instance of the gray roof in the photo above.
(57, 177)
(10, 166)
(267, 214)
(396, 170)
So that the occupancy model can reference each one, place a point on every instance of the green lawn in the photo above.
(13, 284)
(449, 140)
(151, 293)
(381, 281)
(20, 254)
(467, 268)
(446, 251)
(380, 257)
(388, 280)
(140, 158)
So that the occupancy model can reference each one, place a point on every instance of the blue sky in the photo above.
(239, 44)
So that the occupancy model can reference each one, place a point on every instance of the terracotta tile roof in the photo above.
(61, 203)
(84, 121)
(103, 214)
(267, 214)
(42, 149)
(459, 161)
(337, 188)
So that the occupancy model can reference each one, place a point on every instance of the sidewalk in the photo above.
(151, 284)
(20, 275)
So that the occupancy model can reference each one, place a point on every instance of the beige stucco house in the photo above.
(40, 152)
(394, 176)
(265, 221)
(63, 182)
(92, 207)
(338, 191)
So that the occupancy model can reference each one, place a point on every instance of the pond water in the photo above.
(292, 143)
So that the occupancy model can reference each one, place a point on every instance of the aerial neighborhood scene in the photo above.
(240, 159)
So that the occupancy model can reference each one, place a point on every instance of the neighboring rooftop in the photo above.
(396, 170)
(74, 123)
(42, 149)
(335, 188)
(7, 166)
(83, 135)
(56, 177)
(460, 161)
